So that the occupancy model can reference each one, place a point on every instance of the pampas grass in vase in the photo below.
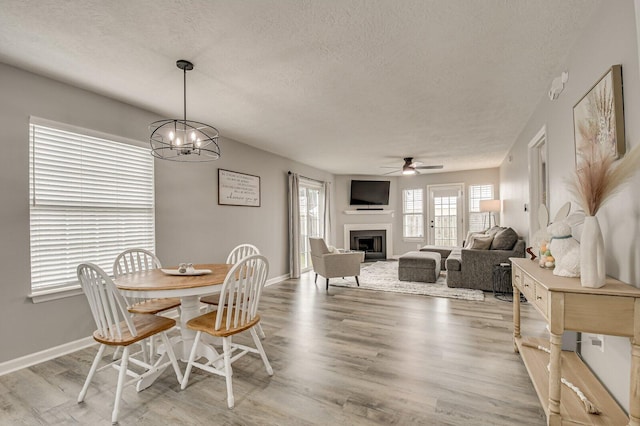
(596, 181)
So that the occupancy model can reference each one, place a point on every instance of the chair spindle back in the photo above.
(134, 260)
(241, 292)
(242, 251)
(108, 306)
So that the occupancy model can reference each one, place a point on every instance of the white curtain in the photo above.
(327, 212)
(294, 225)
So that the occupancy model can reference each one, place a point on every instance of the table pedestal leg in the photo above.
(189, 308)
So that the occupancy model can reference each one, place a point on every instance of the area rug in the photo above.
(383, 276)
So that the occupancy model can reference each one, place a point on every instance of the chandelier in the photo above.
(178, 139)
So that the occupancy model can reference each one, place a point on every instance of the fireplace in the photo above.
(374, 239)
(372, 242)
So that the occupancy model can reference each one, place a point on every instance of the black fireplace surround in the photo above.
(372, 242)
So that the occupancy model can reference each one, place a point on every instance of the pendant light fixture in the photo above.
(181, 139)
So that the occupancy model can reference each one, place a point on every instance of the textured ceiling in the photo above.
(346, 86)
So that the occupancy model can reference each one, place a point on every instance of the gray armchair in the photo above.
(332, 265)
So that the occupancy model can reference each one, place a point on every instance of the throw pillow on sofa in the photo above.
(470, 235)
(494, 230)
(481, 242)
(504, 240)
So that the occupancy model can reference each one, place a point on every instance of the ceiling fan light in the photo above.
(409, 171)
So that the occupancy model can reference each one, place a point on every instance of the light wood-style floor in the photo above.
(346, 357)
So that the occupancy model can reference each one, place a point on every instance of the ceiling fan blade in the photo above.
(438, 166)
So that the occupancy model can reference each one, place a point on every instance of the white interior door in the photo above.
(446, 213)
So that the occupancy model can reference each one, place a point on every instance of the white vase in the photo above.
(592, 271)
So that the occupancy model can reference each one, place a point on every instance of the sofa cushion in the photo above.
(504, 240)
(481, 242)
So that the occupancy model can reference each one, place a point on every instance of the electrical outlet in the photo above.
(597, 340)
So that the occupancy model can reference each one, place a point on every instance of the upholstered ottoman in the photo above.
(423, 266)
(444, 251)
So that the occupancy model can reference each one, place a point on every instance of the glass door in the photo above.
(445, 215)
(311, 199)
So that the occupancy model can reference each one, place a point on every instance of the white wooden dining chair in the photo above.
(116, 326)
(239, 252)
(135, 260)
(240, 297)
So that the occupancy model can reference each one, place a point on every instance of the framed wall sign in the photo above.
(238, 189)
(598, 117)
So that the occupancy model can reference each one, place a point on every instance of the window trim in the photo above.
(478, 212)
(56, 293)
(315, 185)
(413, 239)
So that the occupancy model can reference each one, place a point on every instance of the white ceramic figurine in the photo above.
(565, 249)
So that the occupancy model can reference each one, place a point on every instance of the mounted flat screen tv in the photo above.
(369, 192)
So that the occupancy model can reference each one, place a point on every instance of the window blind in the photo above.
(90, 199)
(477, 193)
(477, 220)
(412, 210)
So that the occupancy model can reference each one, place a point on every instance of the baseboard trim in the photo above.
(276, 280)
(45, 355)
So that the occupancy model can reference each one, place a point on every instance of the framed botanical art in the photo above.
(598, 118)
(238, 189)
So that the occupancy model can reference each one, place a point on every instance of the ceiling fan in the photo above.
(411, 167)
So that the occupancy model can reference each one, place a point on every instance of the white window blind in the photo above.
(412, 213)
(478, 220)
(90, 199)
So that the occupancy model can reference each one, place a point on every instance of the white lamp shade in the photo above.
(489, 205)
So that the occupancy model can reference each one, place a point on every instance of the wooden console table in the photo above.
(613, 310)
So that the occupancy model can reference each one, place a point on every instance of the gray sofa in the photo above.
(473, 268)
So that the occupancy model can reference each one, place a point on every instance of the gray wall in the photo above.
(609, 39)
(342, 187)
(190, 226)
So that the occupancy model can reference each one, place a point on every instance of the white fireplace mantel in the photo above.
(348, 227)
(369, 211)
